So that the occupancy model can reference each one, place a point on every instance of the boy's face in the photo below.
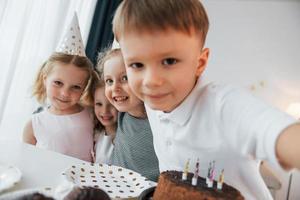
(117, 89)
(163, 67)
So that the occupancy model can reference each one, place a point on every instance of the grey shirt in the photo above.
(134, 146)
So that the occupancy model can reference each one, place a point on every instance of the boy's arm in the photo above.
(288, 147)
(28, 136)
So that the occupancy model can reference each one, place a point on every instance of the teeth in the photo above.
(120, 98)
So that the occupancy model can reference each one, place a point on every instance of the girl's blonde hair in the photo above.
(105, 55)
(39, 89)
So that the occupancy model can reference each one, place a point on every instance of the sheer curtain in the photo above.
(29, 33)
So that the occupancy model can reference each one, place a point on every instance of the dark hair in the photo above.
(99, 83)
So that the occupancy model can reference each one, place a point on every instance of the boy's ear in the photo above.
(203, 59)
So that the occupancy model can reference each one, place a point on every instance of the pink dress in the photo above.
(67, 134)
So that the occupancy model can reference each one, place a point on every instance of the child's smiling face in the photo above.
(64, 86)
(163, 66)
(116, 85)
(105, 112)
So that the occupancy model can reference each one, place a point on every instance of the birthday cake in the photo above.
(171, 186)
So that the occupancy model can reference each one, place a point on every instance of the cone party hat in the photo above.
(72, 43)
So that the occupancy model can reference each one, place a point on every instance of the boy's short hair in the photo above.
(151, 15)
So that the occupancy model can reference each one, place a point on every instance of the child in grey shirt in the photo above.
(134, 141)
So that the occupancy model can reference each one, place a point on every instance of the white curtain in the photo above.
(29, 33)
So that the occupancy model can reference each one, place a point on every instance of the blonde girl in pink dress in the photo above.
(65, 126)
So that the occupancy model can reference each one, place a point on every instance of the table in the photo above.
(39, 167)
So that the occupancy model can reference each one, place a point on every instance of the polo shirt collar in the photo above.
(183, 112)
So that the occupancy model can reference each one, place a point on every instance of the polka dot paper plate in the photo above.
(118, 182)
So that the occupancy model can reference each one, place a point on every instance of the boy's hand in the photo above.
(288, 147)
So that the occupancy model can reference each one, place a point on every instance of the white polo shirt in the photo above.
(224, 124)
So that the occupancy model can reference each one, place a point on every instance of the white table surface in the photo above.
(40, 168)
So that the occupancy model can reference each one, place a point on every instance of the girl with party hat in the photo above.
(65, 81)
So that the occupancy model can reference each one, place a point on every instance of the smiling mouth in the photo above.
(120, 99)
(106, 117)
(156, 96)
(63, 101)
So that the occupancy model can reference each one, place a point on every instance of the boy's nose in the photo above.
(153, 78)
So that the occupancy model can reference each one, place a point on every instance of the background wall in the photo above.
(30, 32)
(256, 44)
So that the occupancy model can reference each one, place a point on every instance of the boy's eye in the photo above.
(108, 82)
(136, 65)
(124, 78)
(58, 83)
(169, 61)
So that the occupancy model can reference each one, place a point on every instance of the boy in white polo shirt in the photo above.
(163, 48)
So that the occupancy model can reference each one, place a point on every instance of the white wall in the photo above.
(256, 44)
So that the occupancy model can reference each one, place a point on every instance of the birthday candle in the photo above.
(210, 180)
(196, 174)
(186, 170)
(221, 180)
(212, 173)
(209, 169)
(221, 177)
(208, 173)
